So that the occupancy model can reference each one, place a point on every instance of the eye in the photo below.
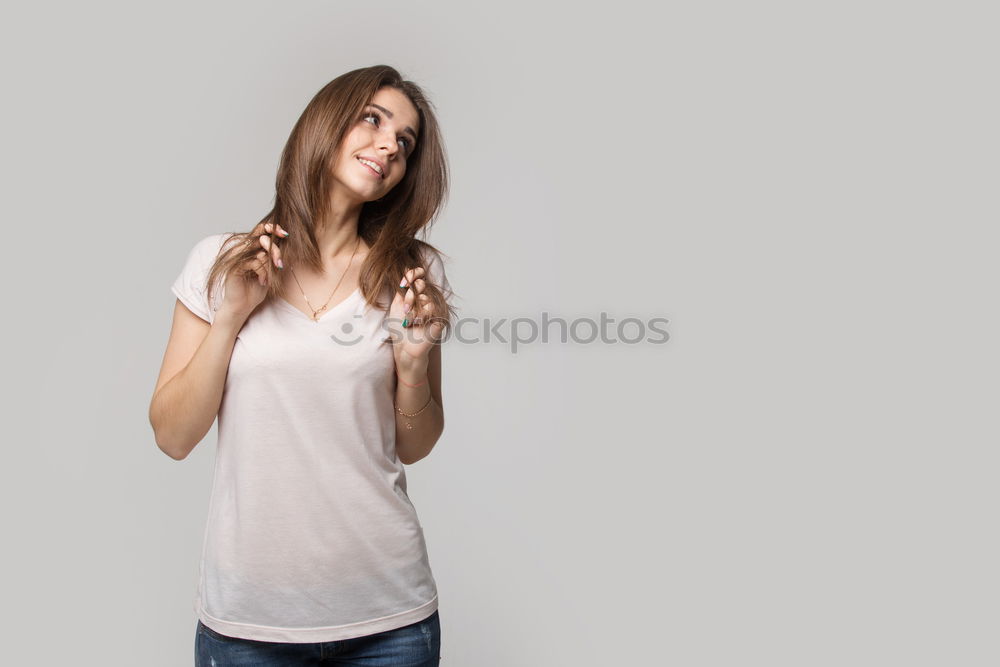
(378, 121)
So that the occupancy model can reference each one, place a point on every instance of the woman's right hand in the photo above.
(246, 286)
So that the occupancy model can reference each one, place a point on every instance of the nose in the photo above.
(388, 142)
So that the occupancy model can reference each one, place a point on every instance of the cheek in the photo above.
(398, 176)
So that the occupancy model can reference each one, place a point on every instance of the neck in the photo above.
(337, 237)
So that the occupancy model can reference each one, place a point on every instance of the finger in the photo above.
(420, 312)
(422, 315)
(274, 251)
(408, 300)
(418, 309)
(410, 274)
(435, 330)
(258, 266)
(270, 227)
(262, 261)
(426, 312)
(406, 284)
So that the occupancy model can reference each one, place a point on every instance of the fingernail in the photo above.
(406, 323)
(281, 264)
(402, 283)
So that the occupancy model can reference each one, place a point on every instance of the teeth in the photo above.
(371, 164)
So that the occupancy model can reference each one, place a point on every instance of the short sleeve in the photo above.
(189, 286)
(434, 264)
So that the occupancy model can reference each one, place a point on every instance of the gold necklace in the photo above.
(316, 312)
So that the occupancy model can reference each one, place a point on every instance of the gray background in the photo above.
(803, 475)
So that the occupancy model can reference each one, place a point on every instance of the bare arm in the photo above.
(192, 378)
(413, 444)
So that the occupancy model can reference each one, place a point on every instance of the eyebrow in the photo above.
(389, 114)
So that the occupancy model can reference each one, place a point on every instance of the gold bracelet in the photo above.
(408, 424)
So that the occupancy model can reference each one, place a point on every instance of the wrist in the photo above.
(412, 373)
(227, 320)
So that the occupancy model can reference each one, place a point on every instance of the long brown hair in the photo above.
(389, 225)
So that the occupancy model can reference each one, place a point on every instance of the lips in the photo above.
(371, 159)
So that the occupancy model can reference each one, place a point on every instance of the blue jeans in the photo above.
(414, 645)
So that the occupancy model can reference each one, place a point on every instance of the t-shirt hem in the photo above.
(316, 635)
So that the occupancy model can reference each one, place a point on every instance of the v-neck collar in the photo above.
(329, 311)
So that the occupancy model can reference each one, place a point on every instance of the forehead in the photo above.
(400, 107)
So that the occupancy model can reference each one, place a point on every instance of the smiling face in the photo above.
(372, 156)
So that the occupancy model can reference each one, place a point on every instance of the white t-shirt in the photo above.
(310, 535)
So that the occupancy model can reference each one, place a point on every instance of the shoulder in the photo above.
(433, 262)
(211, 245)
(432, 258)
(191, 284)
(204, 252)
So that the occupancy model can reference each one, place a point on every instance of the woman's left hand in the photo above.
(412, 343)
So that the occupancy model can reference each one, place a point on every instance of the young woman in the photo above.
(315, 340)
